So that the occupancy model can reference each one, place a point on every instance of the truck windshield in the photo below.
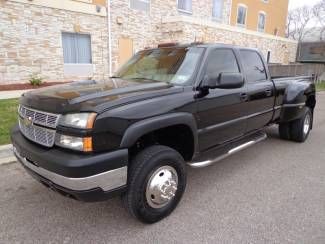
(172, 65)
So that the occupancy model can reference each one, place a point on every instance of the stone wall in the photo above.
(30, 35)
(30, 41)
(145, 28)
(186, 29)
(164, 23)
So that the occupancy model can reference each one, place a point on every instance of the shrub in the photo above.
(35, 80)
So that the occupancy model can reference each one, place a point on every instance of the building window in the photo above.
(76, 48)
(143, 5)
(241, 15)
(185, 5)
(217, 9)
(261, 21)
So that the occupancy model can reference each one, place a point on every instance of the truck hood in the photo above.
(95, 96)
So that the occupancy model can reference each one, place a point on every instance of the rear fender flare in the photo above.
(294, 101)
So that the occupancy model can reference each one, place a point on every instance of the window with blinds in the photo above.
(143, 5)
(217, 9)
(76, 48)
(185, 5)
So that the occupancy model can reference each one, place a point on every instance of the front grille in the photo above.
(38, 117)
(38, 126)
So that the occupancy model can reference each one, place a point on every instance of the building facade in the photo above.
(58, 40)
(266, 16)
(137, 24)
(80, 39)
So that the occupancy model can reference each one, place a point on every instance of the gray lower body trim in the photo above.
(106, 181)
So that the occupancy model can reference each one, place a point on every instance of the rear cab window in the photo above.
(253, 66)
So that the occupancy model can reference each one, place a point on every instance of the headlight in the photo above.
(80, 121)
(75, 143)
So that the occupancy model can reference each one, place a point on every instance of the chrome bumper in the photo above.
(107, 181)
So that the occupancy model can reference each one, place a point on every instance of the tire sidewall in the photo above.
(307, 112)
(163, 158)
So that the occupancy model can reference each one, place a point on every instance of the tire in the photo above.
(153, 165)
(299, 131)
(284, 131)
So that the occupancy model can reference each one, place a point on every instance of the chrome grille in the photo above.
(38, 117)
(37, 134)
(33, 123)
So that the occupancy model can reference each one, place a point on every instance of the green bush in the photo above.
(320, 86)
(35, 80)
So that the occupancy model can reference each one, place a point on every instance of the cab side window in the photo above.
(221, 61)
(253, 66)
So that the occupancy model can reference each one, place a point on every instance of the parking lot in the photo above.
(273, 192)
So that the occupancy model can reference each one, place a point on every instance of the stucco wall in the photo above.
(276, 14)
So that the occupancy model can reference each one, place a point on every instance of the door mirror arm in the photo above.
(202, 90)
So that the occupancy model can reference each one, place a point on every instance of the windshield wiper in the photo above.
(145, 78)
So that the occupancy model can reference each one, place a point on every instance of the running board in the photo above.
(250, 141)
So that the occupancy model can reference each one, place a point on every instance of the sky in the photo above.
(299, 3)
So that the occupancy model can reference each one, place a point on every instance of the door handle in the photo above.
(243, 97)
(268, 92)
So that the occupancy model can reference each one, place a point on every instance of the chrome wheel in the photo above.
(162, 187)
(306, 124)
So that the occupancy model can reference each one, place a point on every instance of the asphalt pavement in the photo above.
(273, 192)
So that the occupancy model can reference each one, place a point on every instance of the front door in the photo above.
(221, 114)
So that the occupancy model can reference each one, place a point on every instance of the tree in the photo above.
(298, 20)
(319, 15)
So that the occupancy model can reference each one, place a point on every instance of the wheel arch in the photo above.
(297, 96)
(164, 123)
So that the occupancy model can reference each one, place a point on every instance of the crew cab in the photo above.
(134, 134)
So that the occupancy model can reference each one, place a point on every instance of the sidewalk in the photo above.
(11, 94)
(6, 154)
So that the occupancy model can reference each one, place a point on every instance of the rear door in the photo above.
(260, 90)
(221, 113)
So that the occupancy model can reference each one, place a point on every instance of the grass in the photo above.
(8, 118)
(320, 86)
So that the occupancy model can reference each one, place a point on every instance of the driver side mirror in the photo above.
(224, 81)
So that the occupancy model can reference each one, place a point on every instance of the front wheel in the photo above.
(157, 181)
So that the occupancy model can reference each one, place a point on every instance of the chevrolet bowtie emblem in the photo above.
(28, 121)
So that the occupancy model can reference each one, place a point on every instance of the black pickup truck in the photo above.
(134, 134)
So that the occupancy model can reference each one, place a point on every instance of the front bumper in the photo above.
(83, 177)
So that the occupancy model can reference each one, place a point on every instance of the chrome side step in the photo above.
(239, 148)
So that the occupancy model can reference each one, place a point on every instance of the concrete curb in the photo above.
(6, 154)
(12, 94)
(8, 160)
(6, 147)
